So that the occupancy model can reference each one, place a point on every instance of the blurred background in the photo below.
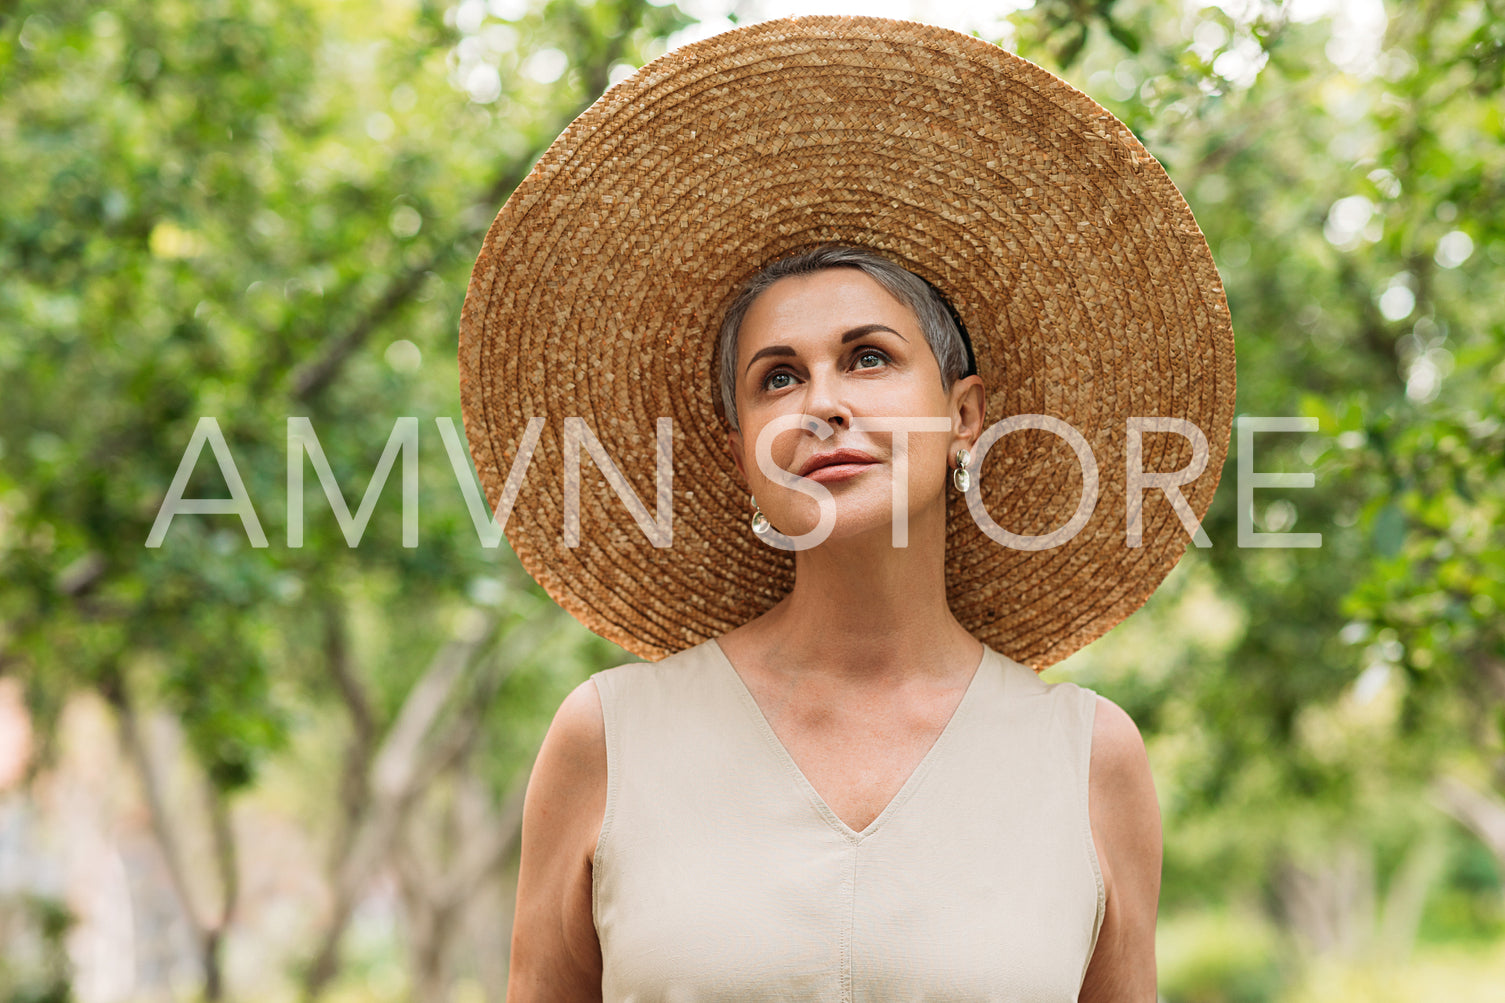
(231, 771)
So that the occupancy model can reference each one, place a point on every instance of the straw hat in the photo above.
(1086, 287)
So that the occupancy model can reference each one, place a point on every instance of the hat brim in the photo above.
(1087, 288)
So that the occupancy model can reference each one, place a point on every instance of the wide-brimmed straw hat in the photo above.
(1075, 266)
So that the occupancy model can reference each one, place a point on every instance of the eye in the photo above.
(870, 353)
(778, 374)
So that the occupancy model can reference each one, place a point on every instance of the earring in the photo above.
(961, 477)
(760, 523)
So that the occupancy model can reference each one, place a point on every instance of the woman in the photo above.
(844, 781)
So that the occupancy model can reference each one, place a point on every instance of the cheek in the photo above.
(781, 448)
(927, 462)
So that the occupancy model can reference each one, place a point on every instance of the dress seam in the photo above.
(850, 932)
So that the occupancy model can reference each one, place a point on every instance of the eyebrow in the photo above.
(861, 331)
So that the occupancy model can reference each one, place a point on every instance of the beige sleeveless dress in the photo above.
(720, 874)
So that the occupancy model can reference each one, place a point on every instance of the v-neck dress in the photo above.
(720, 874)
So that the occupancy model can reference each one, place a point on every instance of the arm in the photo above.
(555, 953)
(1126, 830)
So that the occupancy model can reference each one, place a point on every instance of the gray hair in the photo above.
(937, 322)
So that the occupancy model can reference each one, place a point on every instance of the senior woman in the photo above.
(810, 261)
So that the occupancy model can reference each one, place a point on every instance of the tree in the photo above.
(1347, 173)
(253, 213)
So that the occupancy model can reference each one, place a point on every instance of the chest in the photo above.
(857, 765)
(721, 874)
(720, 889)
(857, 748)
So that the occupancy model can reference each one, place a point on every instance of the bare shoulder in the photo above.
(555, 952)
(1121, 791)
(1125, 817)
(575, 746)
(1117, 747)
(1124, 810)
(567, 791)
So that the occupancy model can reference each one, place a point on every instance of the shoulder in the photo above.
(647, 700)
(577, 736)
(1119, 771)
(1117, 747)
(555, 952)
(1121, 787)
(567, 792)
(574, 751)
(1125, 819)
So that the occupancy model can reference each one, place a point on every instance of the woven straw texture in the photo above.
(1084, 282)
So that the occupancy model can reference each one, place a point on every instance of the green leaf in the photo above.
(1123, 36)
(1389, 532)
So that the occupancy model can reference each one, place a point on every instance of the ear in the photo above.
(968, 403)
(734, 446)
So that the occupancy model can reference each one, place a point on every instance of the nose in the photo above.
(824, 399)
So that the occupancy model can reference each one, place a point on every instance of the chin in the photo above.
(858, 514)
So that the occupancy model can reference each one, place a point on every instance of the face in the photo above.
(836, 345)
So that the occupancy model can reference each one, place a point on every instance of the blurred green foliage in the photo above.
(1349, 175)
(248, 211)
(1218, 957)
(35, 968)
(253, 211)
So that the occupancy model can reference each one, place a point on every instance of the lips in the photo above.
(834, 458)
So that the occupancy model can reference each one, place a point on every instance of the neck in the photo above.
(863, 610)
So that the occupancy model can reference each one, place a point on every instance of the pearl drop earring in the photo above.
(760, 523)
(961, 477)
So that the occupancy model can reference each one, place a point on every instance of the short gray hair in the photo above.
(937, 322)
